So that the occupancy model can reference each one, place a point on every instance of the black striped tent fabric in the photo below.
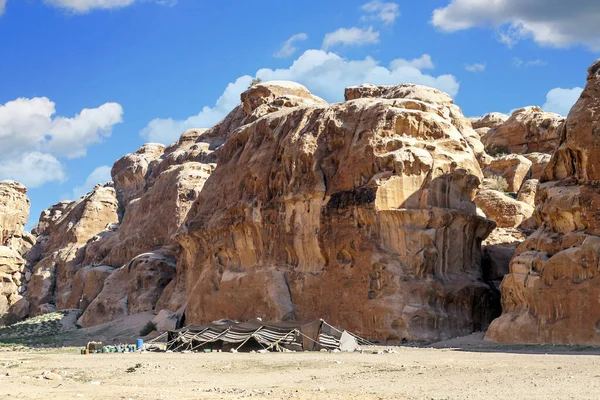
(229, 335)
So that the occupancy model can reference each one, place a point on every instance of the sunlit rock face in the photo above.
(528, 130)
(359, 212)
(14, 244)
(551, 294)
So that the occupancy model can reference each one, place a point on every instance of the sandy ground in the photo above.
(474, 370)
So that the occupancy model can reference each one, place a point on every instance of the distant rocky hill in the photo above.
(370, 213)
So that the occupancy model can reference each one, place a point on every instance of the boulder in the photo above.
(527, 192)
(505, 211)
(165, 320)
(131, 289)
(339, 212)
(10, 261)
(513, 167)
(529, 129)
(489, 121)
(551, 294)
(539, 162)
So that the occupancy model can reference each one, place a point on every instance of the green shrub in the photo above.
(497, 182)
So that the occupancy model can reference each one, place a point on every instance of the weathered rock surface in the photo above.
(528, 130)
(63, 233)
(438, 99)
(360, 213)
(538, 163)
(527, 192)
(505, 211)
(14, 244)
(551, 294)
(490, 121)
(513, 167)
(498, 250)
(131, 289)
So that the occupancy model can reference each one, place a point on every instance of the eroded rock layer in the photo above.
(551, 294)
(359, 212)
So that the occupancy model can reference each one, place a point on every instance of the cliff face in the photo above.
(14, 244)
(359, 212)
(550, 295)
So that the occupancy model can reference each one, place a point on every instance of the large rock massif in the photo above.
(359, 212)
(14, 244)
(551, 294)
(369, 213)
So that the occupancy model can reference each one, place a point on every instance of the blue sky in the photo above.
(83, 82)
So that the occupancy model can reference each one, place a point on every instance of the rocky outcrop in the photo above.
(490, 121)
(498, 249)
(528, 130)
(505, 211)
(14, 245)
(63, 235)
(431, 96)
(538, 163)
(527, 192)
(359, 212)
(513, 167)
(131, 289)
(551, 294)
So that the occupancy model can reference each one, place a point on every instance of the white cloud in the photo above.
(168, 130)
(423, 62)
(477, 67)
(29, 131)
(561, 100)
(325, 74)
(351, 37)
(28, 124)
(2, 6)
(518, 62)
(288, 49)
(386, 12)
(85, 6)
(33, 169)
(99, 175)
(556, 23)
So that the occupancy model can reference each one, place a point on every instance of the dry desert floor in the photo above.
(467, 368)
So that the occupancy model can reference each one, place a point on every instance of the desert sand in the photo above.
(469, 369)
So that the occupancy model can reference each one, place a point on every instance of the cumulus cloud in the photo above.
(31, 137)
(377, 9)
(351, 37)
(423, 62)
(33, 169)
(325, 74)
(99, 175)
(85, 6)
(168, 130)
(519, 62)
(477, 67)
(555, 23)
(288, 49)
(561, 100)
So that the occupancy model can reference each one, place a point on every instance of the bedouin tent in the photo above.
(229, 335)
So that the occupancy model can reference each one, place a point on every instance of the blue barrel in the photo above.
(140, 344)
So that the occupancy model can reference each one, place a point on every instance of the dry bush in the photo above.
(497, 182)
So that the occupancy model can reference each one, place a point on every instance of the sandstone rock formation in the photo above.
(505, 211)
(538, 163)
(14, 244)
(358, 212)
(489, 121)
(527, 130)
(527, 192)
(63, 234)
(513, 167)
(551, 294)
